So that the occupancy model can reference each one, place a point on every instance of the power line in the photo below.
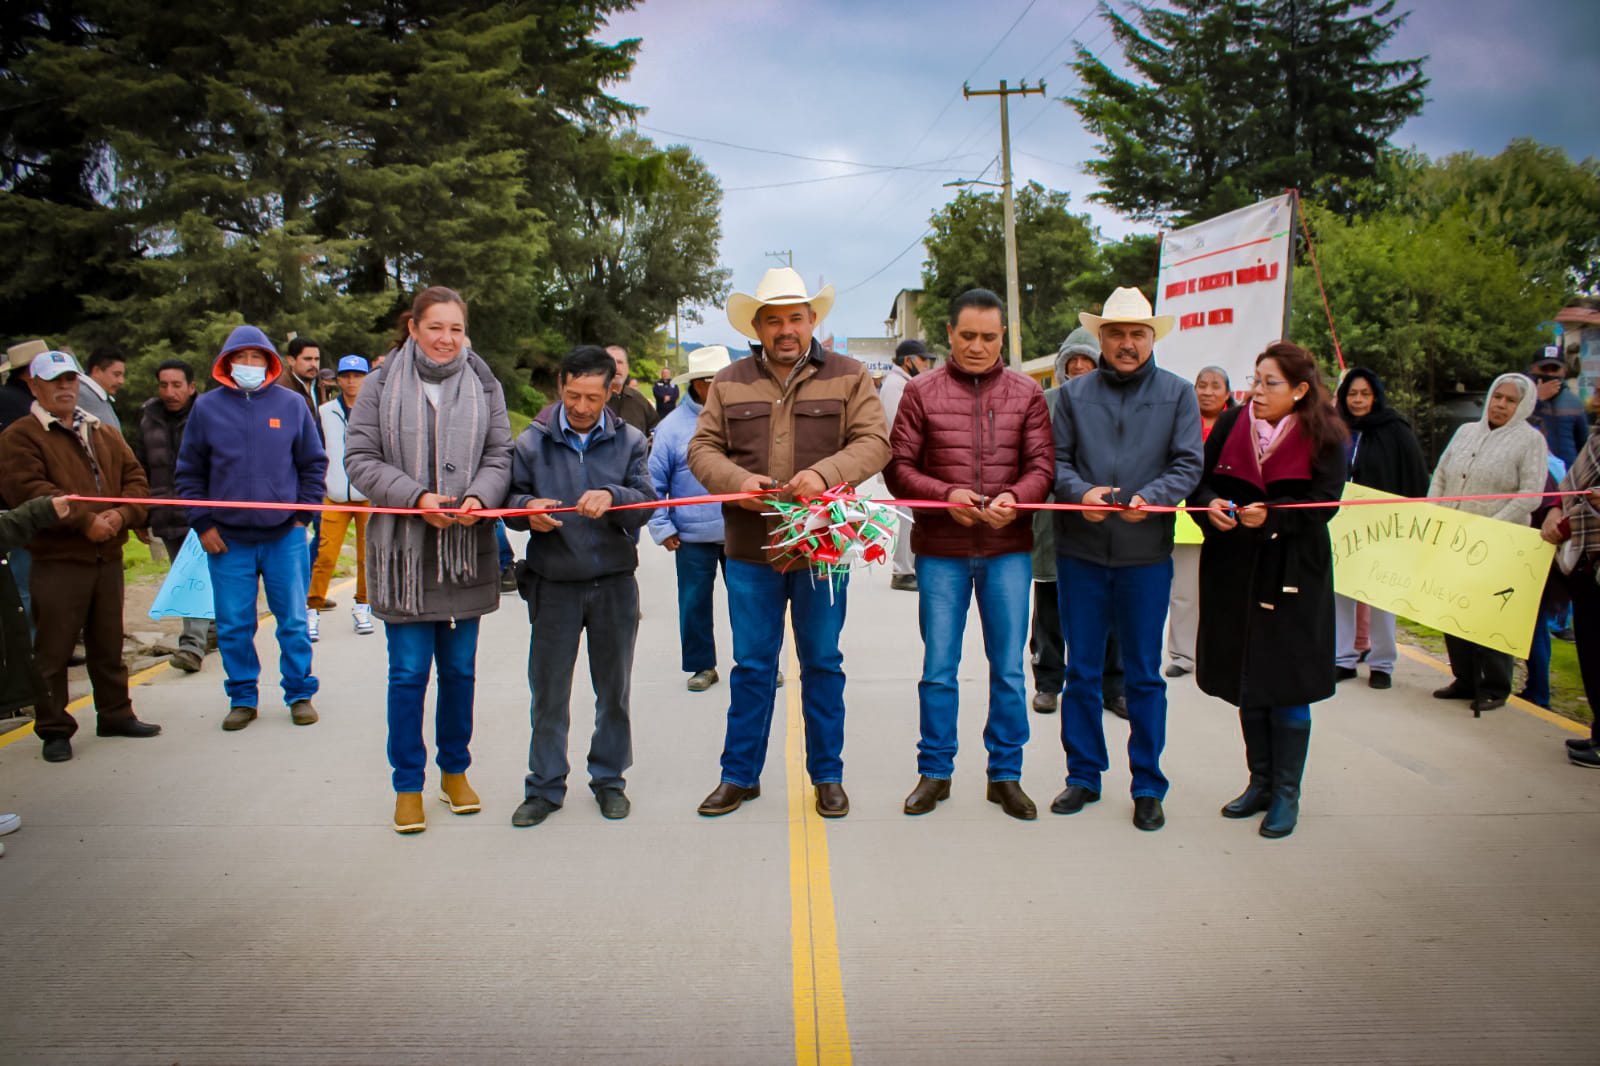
(791, 155)
(902, 253)
(835, 177)
(1070, 33)
(951, 101)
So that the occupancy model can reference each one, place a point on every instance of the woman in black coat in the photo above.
(1266, 574)
(1384, 455)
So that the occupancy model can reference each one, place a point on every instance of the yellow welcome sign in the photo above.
(1474, 577)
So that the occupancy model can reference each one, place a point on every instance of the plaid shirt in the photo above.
(1580, 513)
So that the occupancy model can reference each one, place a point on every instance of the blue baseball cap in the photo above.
(354, 364)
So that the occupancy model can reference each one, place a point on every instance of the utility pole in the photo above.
(786, 257)
(1013, 300)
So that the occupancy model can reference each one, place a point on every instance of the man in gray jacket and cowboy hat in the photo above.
(1127, 435)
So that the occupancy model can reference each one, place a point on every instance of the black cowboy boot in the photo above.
(1257, 728)
(1289, 743)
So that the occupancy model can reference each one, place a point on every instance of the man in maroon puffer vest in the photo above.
(978, 435)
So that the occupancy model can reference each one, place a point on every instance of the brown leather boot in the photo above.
(1012, 800)
(726, 798)
(927, 795)
(408, 816)
(831, 800)
(455, 791)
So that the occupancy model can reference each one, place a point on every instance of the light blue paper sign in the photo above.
(186, 593)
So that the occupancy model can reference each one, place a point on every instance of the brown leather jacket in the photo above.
(826, 418)
(39, 456)
(989, 433)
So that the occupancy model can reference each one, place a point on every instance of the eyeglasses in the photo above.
(1265, 383)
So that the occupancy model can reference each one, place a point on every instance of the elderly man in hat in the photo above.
(60, 450)
(692, 534)
(1127, 437)
(1047, 646)
(797, 419)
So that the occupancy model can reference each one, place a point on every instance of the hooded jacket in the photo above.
(1384, 453)
(1139, 433)
(986, 432)
(1480, 460)
(671, 477)
(544, 465)
(259, 446)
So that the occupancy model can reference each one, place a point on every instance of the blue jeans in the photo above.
(697, 582)
(946, 588)
(414, 649)
(1135, 597)
(283, 568)
(756, 598)
(21, 561)
(507, 556)
(1538, 687)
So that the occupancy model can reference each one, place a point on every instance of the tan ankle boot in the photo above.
(408, 816)
(459, 794)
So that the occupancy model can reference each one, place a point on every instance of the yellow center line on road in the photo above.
(143, 677)
(821, 1035)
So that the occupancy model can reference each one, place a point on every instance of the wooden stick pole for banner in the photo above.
(1288, 266)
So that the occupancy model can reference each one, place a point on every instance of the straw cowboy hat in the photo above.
(1127, 305)
(704, 363)
(780, 286)
(20, 355)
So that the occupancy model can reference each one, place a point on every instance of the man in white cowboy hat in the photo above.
(799, 419)
(16, 399)
(692, 534)
(1126, 435)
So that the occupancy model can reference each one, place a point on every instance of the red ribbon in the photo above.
(735, 497)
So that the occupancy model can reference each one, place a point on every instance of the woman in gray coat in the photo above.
(430, 431)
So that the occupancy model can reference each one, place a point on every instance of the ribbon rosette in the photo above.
(833, 532)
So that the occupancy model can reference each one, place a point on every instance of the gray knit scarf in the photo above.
(408, 426)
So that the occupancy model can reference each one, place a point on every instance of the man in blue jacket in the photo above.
(578, 577)
(248, 441)
(1558, 414)
(1127, 435)
(692, 534)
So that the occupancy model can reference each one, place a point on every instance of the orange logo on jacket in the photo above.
(273, 423)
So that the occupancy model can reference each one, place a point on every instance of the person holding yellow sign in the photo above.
(1266, 574)
(1498, 454)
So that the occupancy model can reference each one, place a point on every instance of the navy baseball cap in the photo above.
(354, 364)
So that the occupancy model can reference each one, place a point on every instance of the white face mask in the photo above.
(249, 378)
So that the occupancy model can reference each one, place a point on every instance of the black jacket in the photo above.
(1266, 595)
(20, 683)
(545, 466)
(1384, 453)
(156, 445)
(15, 399)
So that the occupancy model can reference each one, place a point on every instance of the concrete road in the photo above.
(239, 898)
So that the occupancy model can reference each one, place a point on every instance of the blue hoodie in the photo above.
(257, 446)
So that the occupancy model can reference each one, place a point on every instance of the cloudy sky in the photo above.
(878, 85)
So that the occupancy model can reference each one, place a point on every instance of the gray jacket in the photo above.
(388, 486)
(547, 466)
(1139, 433)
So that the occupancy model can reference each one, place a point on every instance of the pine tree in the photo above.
(1228, 102)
